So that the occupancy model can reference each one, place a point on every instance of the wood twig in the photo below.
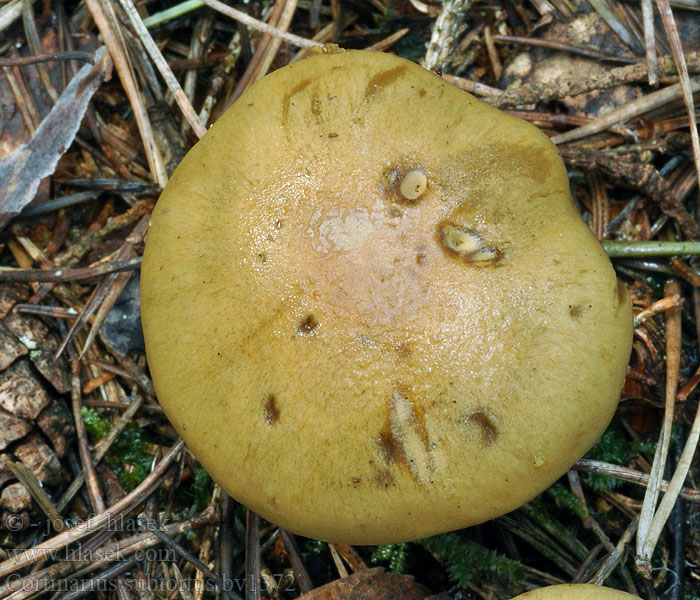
(641, 176)
(12, 275)
(162, 65)
(650, 41)
(105, 20)
(628, 111)
(137, 496)
(39, 58)
(260, 25)
(252, 556)
(685, 83)
(648, 530)
(446, 29)
(302, 575)
(553, 45)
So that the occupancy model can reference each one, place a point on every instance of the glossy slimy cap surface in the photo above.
(371, 308)
(576, 592)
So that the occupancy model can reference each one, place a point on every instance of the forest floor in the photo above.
(99, 496)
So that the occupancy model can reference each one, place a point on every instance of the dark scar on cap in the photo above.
(489, 431)
(308, 325)
(271, 410)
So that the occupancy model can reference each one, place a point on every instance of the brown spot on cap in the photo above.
(382, 79)
(489, 431)
(404, 349)
(288, 97)
(575, 310)
(394, 211)
(308, 325)
(383, 478)
(271, 410)
(391, 449)
(537, 163)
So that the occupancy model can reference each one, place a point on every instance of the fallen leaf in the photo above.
(370, 584)
(21, 171)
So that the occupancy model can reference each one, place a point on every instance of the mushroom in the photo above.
(576, 592)
(371, 308)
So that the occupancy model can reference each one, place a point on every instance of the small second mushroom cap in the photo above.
(576, 592)
(371, 308)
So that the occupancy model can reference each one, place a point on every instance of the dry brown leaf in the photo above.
(21, 171)
(370, 584)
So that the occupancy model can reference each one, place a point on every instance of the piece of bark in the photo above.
(41, 460)
(42, 346)
(12, 429)
(15, 498)
(113, 490)
(56, 424)
(27, 332)
(15, 521)
(21, 394)
(10, 348)
(11, 295)
(5, 473)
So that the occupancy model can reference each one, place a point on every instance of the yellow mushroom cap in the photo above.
(576, 592)
(371, 309)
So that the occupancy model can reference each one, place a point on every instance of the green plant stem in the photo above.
(621, 249)
(172, 13)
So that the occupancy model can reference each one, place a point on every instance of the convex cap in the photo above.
(371, 309)
(576, 592)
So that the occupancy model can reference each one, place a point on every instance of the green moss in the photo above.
(314, 546)
(465, 560)
(95, 425)
(392, 554)
(128, 456)
(614, 447)
(202, 487)
(198, 491)
(563, 498)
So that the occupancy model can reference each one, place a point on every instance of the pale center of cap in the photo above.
(413, 184)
